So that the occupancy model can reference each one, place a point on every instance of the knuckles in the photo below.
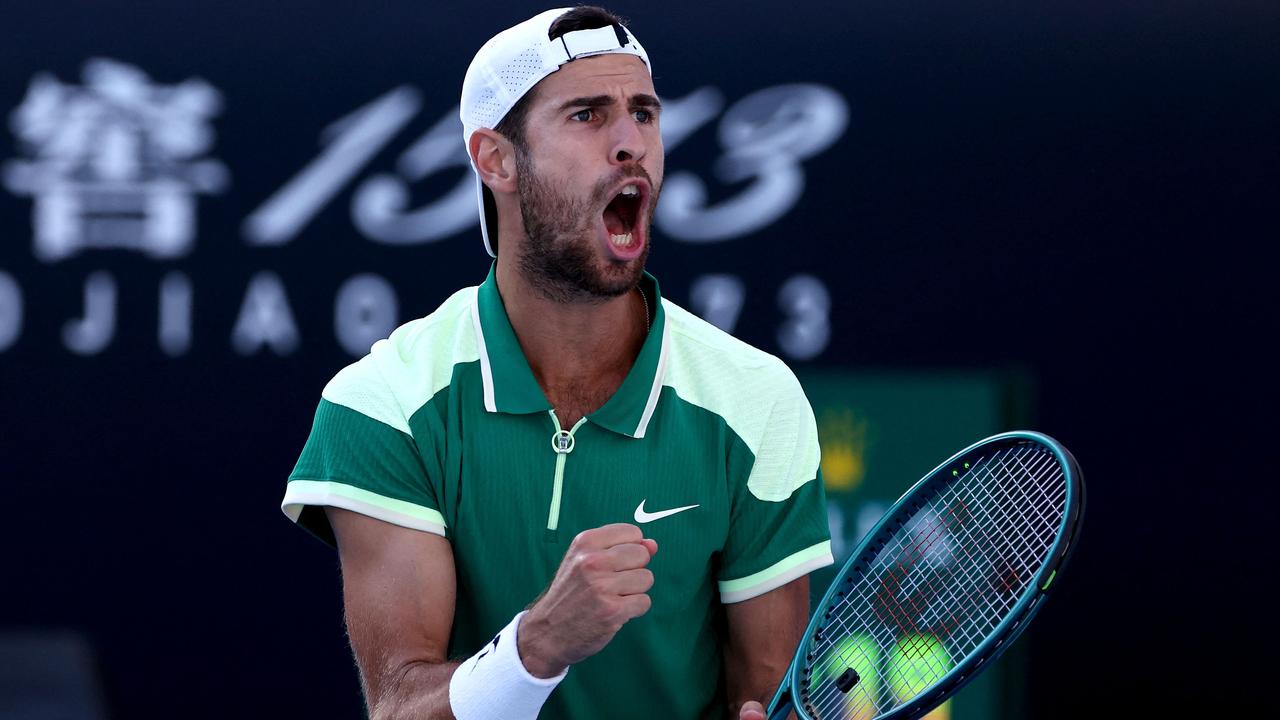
(587, 563)
(610, 534)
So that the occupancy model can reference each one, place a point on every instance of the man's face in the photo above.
(590, 178)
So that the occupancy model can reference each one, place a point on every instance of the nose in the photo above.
(627, 142)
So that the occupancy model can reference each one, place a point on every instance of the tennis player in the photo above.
(561, 495)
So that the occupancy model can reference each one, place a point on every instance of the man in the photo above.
(606, 505)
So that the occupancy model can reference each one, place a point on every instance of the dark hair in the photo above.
(582, 17)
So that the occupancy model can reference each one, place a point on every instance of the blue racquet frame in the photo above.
(1014, 622)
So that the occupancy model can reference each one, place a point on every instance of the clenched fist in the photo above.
(601, 584)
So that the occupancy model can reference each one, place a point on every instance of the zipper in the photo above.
(562, 443)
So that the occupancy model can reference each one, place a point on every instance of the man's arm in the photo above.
(763, 634)
(398, 588)
(399, 591)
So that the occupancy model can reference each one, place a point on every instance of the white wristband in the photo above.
(494, 684)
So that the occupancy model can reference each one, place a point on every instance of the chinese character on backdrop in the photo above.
(115, 162)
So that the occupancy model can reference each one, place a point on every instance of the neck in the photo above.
(580, 352)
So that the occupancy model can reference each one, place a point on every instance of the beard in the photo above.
(559, 259)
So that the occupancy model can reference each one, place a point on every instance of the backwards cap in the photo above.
(509, 65)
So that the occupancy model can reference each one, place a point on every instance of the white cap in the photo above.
(509, 65)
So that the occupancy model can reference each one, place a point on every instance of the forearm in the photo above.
(746, 685)
(758, 651)
(762, 636)
(420, 691)
(493, 684)
(755, 679)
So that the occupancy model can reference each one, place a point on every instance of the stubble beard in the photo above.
(559, 259)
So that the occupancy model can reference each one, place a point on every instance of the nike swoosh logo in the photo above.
(644, 517)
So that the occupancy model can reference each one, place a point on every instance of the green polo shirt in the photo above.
(442, 428)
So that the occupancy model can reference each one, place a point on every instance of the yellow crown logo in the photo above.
(844, 449)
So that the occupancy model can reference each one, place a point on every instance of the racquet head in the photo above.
(941, 586)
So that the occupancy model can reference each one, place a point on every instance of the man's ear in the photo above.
(495, 160)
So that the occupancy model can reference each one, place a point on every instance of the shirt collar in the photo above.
(509, 385)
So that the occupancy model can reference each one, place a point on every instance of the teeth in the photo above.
(621, 240)
(630, 190)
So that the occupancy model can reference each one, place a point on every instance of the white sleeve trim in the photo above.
(780, 573)
(300, 493)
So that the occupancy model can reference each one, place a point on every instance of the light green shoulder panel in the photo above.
(401, 373)
(755, 393)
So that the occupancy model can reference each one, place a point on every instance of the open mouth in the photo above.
(622, 214)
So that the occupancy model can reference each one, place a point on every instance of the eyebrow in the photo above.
(641, 100)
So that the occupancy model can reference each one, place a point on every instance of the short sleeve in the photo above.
(361, 456)
(778, 521)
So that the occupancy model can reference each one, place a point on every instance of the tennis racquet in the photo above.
(942, 585)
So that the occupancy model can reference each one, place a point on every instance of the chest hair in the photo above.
(573, 401)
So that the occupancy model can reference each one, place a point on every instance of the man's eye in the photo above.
(642, 116)
(583, 115)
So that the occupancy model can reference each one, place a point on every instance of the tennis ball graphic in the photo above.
(917, 662)
(861, 654)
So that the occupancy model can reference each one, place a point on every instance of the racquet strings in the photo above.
(939, 587)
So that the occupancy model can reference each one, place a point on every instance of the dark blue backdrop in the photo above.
(1082, 190)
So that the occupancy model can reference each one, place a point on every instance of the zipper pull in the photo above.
(562, 442)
